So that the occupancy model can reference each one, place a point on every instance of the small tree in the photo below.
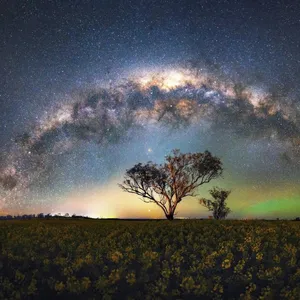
(218, 205)
(167, 184)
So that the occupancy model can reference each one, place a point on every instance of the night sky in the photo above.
(90, 88)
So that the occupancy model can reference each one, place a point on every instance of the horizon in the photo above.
(209, 217)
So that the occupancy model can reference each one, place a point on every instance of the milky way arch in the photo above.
(176, 98)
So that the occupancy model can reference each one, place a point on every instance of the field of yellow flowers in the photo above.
(183, 259)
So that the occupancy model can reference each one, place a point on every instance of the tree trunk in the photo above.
(170, 216)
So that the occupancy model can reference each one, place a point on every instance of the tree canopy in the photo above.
(218, 205)
(167, 184)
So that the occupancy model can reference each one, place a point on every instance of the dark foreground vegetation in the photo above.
(73, 258)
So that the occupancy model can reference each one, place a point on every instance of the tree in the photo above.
(167, 184)
(218, 205)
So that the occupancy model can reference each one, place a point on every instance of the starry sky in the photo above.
(90, 88)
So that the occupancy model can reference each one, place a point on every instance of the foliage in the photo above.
(218, 205)
(167, 184)
(184, 259)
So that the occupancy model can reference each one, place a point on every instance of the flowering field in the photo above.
(183, 259)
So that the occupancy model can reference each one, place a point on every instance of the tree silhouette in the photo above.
(218, 205)
(167, 184)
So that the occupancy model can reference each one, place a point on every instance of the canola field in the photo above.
(182, 259)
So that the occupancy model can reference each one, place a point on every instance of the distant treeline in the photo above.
(66, 216)
(55, 216)
(74, 216)
(41, 216)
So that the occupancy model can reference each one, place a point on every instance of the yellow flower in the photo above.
(116, 256)
(85, 282)
(19, 276)
(188, 283)
(130, 278)
(114, 276)
(59, 286)
(226, 264)
(259, 256)
(89, 259)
